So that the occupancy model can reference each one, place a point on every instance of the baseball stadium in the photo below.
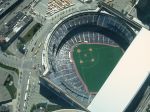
(82, 51)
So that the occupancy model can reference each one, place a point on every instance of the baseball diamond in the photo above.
(94, 63)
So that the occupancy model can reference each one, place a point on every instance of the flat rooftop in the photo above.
(127, 77)
(14, 25)
(6, 4)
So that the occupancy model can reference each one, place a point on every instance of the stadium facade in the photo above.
(104, 25)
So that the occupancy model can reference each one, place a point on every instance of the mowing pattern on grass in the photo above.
(95, 62)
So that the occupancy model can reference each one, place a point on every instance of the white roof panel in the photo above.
(126, 78)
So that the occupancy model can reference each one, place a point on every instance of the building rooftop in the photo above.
(14, 25)
(5, 5)
(127, 77)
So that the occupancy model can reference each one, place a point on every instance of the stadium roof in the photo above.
(126, 78)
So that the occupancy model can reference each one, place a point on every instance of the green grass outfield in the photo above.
(95, 62)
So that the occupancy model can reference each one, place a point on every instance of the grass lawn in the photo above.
(9, 68)
(95, 62)
(31, 33)
(11, 88)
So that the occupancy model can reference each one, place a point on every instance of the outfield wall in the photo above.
(127, 77)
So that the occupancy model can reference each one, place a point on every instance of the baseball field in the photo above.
(94, 63)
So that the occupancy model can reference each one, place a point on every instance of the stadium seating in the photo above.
(67, 35)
